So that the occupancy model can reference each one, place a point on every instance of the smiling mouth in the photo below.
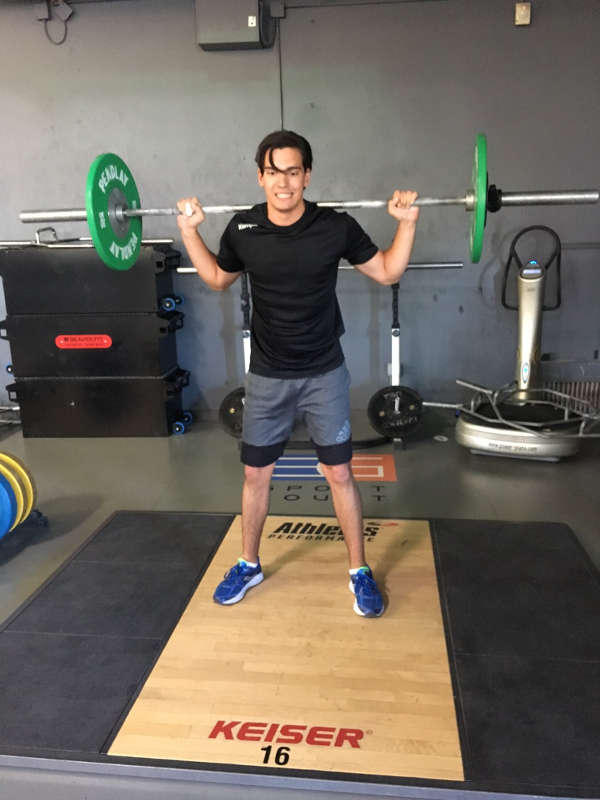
(284, 195)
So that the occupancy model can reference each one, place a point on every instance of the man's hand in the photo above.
(400, 206)
(191, 214)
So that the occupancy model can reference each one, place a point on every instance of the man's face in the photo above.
(284, 178)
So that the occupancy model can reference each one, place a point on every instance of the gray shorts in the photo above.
(272, 405)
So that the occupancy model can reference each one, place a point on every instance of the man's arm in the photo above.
(388, 266)
(203, 260)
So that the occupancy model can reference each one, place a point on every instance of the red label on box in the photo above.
(83, 341)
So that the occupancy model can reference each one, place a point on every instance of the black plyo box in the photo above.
(63, 281)
(92, 345)
(89, 407)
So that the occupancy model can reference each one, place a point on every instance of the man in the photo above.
(291, 249)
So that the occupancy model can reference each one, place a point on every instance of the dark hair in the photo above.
(279, 139)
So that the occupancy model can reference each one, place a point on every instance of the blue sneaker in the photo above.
(237, 581)
(368, 602)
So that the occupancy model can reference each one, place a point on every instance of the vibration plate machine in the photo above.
(524, 419)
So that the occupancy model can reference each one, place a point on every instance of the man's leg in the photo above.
(247, 572)
(348, 510)
(326, 403)
(255, 506)
(268, 420)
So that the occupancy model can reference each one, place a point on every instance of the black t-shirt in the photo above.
(296, 319)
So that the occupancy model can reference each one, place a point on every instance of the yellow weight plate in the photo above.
(19, 469)
(24, 492)
(15, 485)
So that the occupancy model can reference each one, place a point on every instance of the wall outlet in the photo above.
(522, 13)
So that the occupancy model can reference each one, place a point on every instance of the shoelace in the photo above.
(364, 580)
(237, 569)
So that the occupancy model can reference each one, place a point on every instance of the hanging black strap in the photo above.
(395, 319)
(245, 301)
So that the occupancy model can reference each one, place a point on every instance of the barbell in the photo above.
(114, 214)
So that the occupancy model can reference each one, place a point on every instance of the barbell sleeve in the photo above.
(57, 215)
(549, 198)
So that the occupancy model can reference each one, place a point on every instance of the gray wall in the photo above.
(389, 95)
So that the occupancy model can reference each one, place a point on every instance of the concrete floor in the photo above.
(81, 482)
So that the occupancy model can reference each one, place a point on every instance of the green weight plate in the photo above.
(111, 184)
(480, 182)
